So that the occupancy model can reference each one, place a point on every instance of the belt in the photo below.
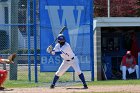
(71, 59)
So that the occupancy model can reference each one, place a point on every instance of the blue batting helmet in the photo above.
(61, 38)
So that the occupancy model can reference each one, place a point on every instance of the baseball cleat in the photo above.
(2, 88)
(85, 87)
(52, 86)
(12, 57)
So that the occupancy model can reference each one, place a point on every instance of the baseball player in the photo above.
(69, 59)
(3, 73)
(129, 63)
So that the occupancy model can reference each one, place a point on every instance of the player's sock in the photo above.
(81, 76)
(55, 79)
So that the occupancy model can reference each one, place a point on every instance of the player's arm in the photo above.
(49, 49)
(9, 60)
(134, 62)
(55, 50)
(2, 62)
(6, 61)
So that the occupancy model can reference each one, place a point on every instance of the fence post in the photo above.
(14, 37)
(91, 42)
(29, 34)
(35, 42)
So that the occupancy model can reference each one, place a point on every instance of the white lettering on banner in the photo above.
(51, 60)
(43, 59)
(57, 59)
(68, 17)
(84, 59)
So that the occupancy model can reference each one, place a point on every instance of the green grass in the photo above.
(26, 84)
(45, 78)
(115, 82)
(20, 84)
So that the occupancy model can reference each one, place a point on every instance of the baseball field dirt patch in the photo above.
(71, 89)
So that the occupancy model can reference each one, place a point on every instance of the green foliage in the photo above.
(138, 9)
(25, 51)
(138, 2)
(19, 51)
(6, 51)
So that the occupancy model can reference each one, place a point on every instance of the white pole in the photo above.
(108, 8)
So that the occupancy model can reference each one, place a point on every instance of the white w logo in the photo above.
(61, 15)
(67, 15)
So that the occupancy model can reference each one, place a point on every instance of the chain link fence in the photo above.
(17, 36)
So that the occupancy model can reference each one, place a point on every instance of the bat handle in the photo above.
(54, 42)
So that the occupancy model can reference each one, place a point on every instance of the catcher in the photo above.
(69, 59)
(3, 73)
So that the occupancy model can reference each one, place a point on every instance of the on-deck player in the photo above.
(69, 59)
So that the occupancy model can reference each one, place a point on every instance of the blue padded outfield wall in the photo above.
(76, 15)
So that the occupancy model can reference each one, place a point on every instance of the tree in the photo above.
(118, 8)
(100, 8)
(138, 8)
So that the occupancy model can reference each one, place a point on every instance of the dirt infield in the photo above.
(92, 89)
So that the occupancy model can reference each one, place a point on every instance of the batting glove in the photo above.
(49, 49)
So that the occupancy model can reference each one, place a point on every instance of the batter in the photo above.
(69, 59)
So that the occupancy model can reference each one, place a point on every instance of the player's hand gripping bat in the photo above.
(50, 48)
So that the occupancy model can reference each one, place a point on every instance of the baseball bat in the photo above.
(61, 31)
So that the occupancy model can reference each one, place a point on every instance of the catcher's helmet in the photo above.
(61, 38)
